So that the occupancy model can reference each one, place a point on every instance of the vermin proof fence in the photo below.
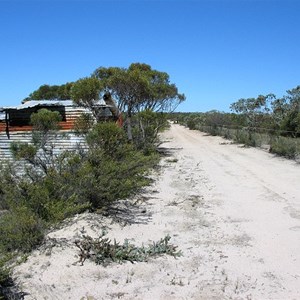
(279, 142)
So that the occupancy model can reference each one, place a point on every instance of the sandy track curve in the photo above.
(233, 211)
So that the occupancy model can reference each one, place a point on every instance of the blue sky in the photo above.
(215, 51)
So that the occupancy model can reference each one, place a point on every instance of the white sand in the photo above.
(234, 212)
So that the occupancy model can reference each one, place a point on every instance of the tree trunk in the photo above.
(129, 127)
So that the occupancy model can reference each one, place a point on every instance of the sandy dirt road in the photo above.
(234, 212)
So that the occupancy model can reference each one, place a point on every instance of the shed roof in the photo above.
(35, 103)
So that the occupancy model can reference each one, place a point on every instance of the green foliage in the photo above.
(45, 120)
(52, 198)
(20, 229)
(107, 179)
(8, 185)
(249, 138)
(82, 182)
(25, 151)
(113, 169)
(83, 124)
(49, 92)
(103, 251)
(138, 88)
(146, 127)
(253, 109)
(61, 209)
(290, 124)
(4, 272)
(192, 121)
(39, 153)
(45, 123)
(86, 90)
(284, 146)
(107, 137)
(191, 124)
(270, 113)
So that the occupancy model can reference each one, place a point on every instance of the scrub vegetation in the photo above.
(265, 121)
(41, 188)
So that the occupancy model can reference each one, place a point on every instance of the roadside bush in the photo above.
(146, 127)
(106, 180)
(242, 136)
(191, 123)
(113, 168)
(45, 125)
(51, 199)
(228, 133)
(283, 146)
(20, 229)
(108, 137)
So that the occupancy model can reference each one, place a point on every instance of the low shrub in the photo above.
(105, 180)
(191, 123)
(108, 137)
(103, 251)
(284, 146)
(146, 126)
(20, 229)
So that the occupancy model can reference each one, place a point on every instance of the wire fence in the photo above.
(287, 146)
(290, 133)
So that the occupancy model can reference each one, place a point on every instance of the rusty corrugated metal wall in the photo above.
(65, 140)
(69, 114)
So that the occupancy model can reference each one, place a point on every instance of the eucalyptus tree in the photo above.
(85, 92)
(51, 92)
(255, 110)
(293, 98)
(138, 88)
(290, 121)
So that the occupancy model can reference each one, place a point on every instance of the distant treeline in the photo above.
(265, 120)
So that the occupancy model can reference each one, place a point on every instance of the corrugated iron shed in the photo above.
(17, 118)
(15, 123)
